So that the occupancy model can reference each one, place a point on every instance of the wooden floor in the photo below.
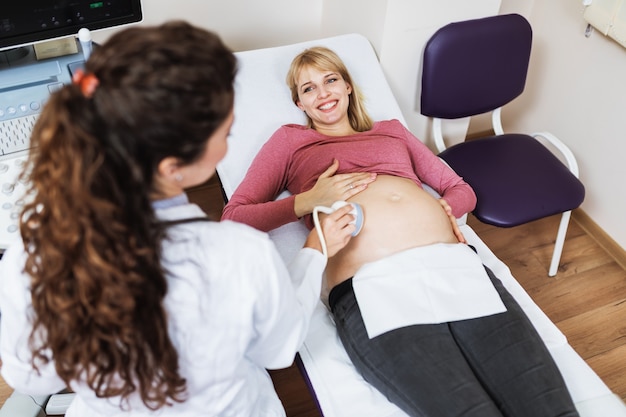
(586, 300)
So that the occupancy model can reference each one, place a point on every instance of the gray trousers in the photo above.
(489, 366)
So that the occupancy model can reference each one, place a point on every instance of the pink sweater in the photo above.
(295, 156)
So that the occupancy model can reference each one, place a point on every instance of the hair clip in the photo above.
(87, 82)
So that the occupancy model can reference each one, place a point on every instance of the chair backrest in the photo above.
(475, 66)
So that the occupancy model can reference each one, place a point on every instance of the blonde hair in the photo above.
(324, 59)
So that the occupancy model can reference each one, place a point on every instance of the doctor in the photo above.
(121, 289)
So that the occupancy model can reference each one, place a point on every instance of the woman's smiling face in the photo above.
(324, 96)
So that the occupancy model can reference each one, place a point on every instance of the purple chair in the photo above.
(477, 66)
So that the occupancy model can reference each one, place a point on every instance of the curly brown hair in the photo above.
(92, 239)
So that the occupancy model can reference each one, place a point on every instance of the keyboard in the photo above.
(14, 147)
(15, 134)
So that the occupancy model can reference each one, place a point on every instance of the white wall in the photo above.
(576, 90)
(398, 30)
(242, 24)
(575, 86)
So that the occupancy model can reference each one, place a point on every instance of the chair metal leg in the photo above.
(558, 244)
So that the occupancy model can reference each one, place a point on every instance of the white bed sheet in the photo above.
(262, 104)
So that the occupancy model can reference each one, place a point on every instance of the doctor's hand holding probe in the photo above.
(121, 289)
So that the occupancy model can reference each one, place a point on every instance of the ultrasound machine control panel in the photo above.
(25, 85)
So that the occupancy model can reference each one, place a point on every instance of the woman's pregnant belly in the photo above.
(398, 215)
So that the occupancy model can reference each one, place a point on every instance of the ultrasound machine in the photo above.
(42, 42)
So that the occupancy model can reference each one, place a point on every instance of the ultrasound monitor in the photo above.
(25, 22)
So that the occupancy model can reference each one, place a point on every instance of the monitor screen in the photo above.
(28, 21)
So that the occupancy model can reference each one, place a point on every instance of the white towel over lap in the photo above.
(425, 285)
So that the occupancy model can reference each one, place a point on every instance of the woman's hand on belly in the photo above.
(331, 187)
(398, 215)
(455, 226)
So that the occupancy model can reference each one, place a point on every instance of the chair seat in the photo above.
(510, 190)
